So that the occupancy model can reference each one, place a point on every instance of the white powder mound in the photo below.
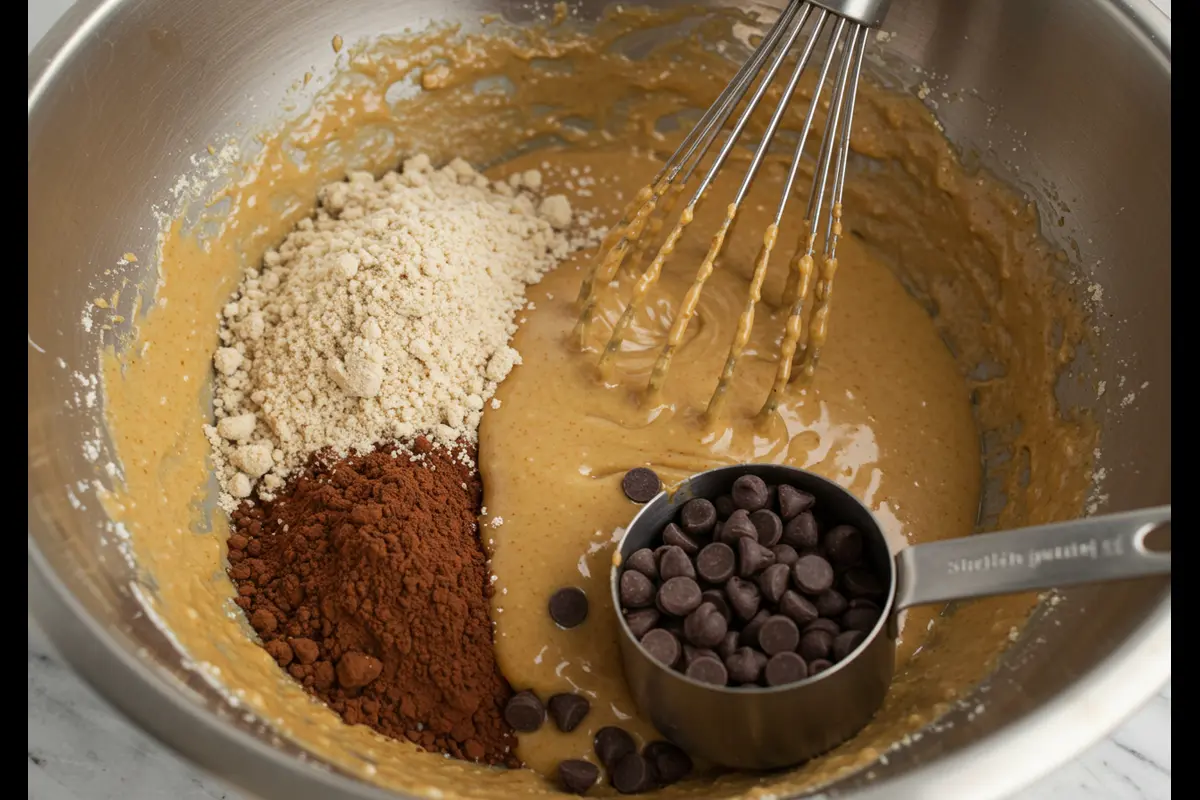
(387, 315)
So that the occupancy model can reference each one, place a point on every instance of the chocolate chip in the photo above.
(708, 670)
(792, 501)
(524, 712)
(644, 562)
(801, 532)
(745, 665)
(577, 776)
(814, 645)
(612, 744)
(738, 526)
(845, 643)
(674, 537)
(778, 634)
(861, 583)
(773, 582)
(662, 646)
(744, 597)
(862, 602)
(636, 590)
(811, 574)
(697, 517)
(827, 625)
(717, 598)
(690, 654)
(784, 668)
(568, 607)
(844, 544)
(671, 764)
(750, 493)
(705, 627)
(831, 604)
(860, 619)
(798, 607)
(679, 596)
(769, 527)
(753, 558)
(728, 645)
(725, 507)
(750, 632)
(785, 554)
(716, 562)
(674, 563)
(818, 666)
(568, 710)
(641, 621)
(641, 484)
(632, 774)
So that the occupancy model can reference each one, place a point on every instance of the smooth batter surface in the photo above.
(963, 245)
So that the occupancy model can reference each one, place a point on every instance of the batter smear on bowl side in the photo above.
(359, 346)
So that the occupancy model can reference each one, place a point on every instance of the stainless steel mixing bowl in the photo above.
(1071, 99)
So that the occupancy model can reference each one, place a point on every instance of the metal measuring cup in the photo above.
(767, 728)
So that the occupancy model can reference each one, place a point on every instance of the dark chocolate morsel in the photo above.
(717, 598)
(673, 536)
(577, 776)
(744, 666)
(778, 634)
(811, 574)
(708, 670)
(568, 607)
(831, 604)
(792, 501)
(675, 563)
(662, 646)
(815, 645)
(860, 619)
(798, 607)
(750, 493)
(705, 627)
(636, 590)
(725, 507)
(784, 668)
(644, 562)
(612, 744)
(697, 517)
(671, 764)
(773, 582)
(641, 621)
(568, 710)
(716, 562)
(801, 532)
(753, 558)
(844, 545)
(641, 484)
(524, 712)
(744, 597)
(769, 527)
(845, 643)
(738, 526)
(750, 632)
(785, 554)
(679, 596)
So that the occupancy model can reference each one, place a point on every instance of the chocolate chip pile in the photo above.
(748, 589)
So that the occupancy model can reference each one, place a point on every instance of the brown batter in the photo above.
(962, 244)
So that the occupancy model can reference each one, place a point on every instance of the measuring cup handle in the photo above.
(1102, 548)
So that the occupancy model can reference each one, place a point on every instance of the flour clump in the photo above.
(385, 315)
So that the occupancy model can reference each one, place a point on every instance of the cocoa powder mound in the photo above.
(367, 582)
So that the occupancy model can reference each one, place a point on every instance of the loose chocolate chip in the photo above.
(612, 744)
(568, 607)
(705, 627)
(577, 775)
(792, 501)
(636, 590)
(717, 598)
(679, 596)
(698, 516)
(690, 654)
(640, 484)
(768, 525)
(750, 493)
(861, 583)
(716, 562)
(785, 554)
(662, 646)
(753, 558)
(745, 665)
(675, 564)
(827, 625)
(844, 544)
(814, 645)
(773, 582)
(568, 710)
(801, 532)
(778, 634)
(644, 562)
(632, 774)
(784, 668)
(811, 574)
(831, 604)
(641, 621)
(728, 645)
(671, 764)
(744, 597)
(708, 670)
(738, 526)
(724, 505)
(798, 607)
(750, 632)
(674, 537)
(818, 666)
(845, 643)
(524, 712)
(860, 619)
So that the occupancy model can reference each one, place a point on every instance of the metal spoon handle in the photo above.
(1103, 548)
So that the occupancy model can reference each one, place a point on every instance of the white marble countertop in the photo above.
(81, 749)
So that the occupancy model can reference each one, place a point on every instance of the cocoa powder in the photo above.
(366, 581)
